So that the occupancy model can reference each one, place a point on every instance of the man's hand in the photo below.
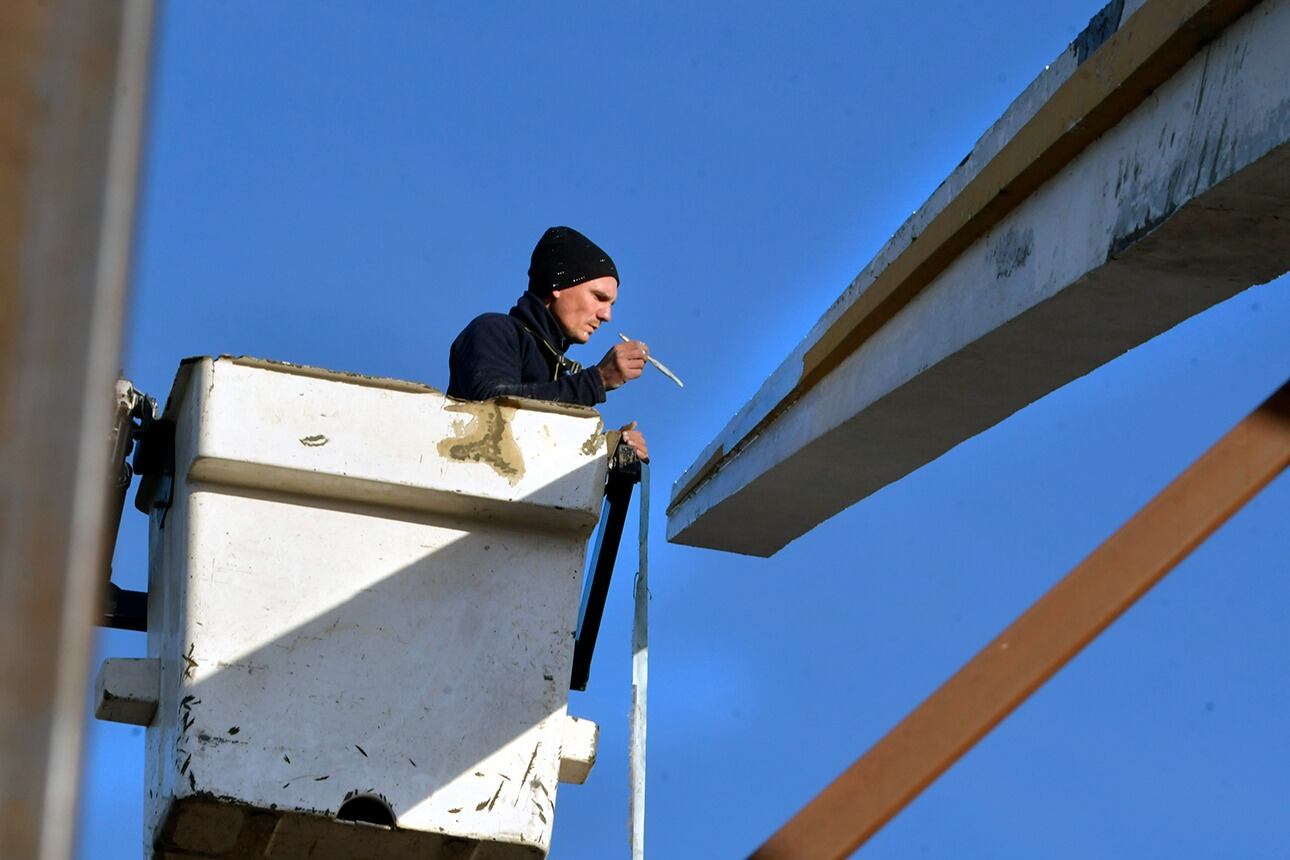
(635, 440)
(623, 363)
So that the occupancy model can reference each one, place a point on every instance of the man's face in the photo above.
(580, 310)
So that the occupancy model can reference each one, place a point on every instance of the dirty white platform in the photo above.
(363, 589)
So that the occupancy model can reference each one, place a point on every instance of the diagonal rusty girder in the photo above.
(1041, 641)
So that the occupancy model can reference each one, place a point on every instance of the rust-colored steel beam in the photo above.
(1042, 640)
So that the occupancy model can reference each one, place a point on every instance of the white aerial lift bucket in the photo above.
(360, 618)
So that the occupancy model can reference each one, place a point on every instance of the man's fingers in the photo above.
(625, 362)
(633, 365)
(635, 440)
(632, 349)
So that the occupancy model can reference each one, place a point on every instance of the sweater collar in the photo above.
(530, 311)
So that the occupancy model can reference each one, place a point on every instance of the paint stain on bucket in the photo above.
(485, 438)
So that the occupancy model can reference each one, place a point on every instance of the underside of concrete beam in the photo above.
(1142, 178)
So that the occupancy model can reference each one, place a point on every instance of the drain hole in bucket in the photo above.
(367, 808)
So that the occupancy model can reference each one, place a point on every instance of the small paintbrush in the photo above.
(654, 361)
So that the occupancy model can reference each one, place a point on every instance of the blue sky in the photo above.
(347, 184)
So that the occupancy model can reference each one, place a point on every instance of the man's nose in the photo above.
(604, 313)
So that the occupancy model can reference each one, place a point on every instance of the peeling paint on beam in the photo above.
(1195, 172)
(1132, 62)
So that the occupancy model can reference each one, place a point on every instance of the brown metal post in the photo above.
(1042, 640)
(72, 74)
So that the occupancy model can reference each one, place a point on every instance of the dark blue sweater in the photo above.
(520, 354)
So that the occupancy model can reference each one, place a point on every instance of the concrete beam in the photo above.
(72, 75)
(1142, 178)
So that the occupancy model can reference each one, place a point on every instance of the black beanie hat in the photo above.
(564, 258)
